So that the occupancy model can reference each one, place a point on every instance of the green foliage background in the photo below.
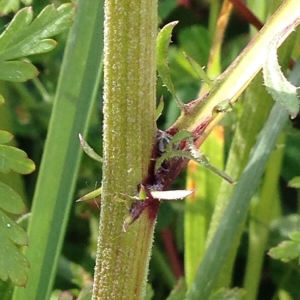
(29, 106)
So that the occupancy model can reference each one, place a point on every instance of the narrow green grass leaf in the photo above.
(225, 294)
(199, 206)
(265, 207)
(255, 113)
(163, 41)
(234, 215)
(77, 89)
(277, 85)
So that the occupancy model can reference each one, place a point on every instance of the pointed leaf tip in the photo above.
(91, 195)
(89, 150)
(163, 41)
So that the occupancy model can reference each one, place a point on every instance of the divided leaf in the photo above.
(13, 264)
(10, 201)
(7, 6)
(17, 71)
(287, 250)
(25, 36)
(15, 159)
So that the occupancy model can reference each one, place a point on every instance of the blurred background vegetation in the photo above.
(27, 112)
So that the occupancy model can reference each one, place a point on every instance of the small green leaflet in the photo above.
(287, 250)
(13, 264)
(13, 158)
(5, 137)
(294, 182)
(91, 195)
(92, 154)
(7, 6)
(163, 41)
(10, 202)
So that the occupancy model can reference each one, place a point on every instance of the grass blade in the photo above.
(220, 246)
(78, 84)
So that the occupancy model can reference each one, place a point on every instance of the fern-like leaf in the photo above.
(25, 36)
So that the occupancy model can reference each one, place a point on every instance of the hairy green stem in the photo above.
(129, 132)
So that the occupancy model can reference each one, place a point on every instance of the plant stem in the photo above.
(129, 131)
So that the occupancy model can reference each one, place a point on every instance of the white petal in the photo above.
(171, 195)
